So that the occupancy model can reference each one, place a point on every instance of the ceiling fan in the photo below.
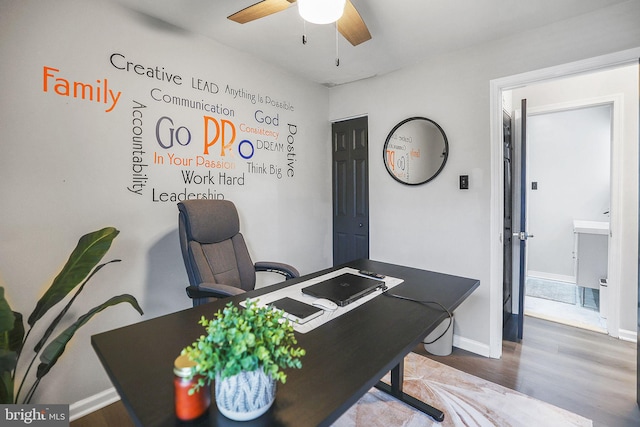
(350, 25)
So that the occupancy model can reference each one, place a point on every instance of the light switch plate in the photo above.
(464, 182)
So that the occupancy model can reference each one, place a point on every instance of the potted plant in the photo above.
(245, 351)
(81, 266)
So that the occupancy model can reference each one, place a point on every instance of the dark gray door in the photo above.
(523, 235)
(638, 318)
(509, 324)
(350, 190)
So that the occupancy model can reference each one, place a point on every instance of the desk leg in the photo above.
(397, 378)
(395, 390)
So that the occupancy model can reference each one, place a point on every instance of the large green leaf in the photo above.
(6, 314)
(8, 360)
(54, 350)
(6, 388)
(87, 254)
(11, 336)
(16, 335)
(58, 319)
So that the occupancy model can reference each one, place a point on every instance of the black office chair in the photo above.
(215, 254)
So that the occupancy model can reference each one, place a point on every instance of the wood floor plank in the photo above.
(585, 372)
(109, 416)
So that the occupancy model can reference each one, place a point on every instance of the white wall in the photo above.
(569, 158)
(436, 226)
(66, 163)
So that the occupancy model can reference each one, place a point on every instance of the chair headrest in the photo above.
(210, 221)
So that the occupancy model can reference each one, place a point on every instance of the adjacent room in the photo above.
(512, 229)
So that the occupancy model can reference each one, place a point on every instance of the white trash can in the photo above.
(604, 300)
(440, 346)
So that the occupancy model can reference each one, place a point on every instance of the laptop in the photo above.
(344, 289)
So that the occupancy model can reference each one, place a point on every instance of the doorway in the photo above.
(623, 252)
(350, 167)
(568, 211)
(555, 241)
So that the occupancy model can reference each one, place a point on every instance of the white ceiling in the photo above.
(403, 32)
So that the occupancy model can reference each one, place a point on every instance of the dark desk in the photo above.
(345, 357)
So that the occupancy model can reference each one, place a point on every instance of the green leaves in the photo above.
(11, 336)
(87, 254)
(11, 329)
(6, 314)
(54, 350)
(81, 266)
(245, 340)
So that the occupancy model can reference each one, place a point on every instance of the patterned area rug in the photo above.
(466, 401)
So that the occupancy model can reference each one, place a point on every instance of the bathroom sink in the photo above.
(590, 227)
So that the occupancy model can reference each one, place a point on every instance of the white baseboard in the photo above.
(628, 335)
(471, 345)
(93, 403)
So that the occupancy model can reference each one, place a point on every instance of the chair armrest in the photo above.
(286, 270)
(212, 290)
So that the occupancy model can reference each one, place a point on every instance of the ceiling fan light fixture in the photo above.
(321, 11)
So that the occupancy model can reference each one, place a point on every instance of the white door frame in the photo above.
(497, 193)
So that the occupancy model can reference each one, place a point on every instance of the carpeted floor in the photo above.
(465, 399)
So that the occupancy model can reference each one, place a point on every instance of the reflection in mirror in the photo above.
(415, 151)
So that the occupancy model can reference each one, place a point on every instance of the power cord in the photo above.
(427, 304)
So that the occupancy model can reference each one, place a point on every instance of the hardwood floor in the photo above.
(112, 415)
(585, 372)
(582, 371)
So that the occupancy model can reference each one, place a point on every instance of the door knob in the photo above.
(523, 235)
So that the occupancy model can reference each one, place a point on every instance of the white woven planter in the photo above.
(245, 396)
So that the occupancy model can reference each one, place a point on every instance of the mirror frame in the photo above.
(445, 152)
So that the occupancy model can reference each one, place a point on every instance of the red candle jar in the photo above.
(189, 406)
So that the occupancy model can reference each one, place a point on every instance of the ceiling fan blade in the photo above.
(352, 27)
(259, 10)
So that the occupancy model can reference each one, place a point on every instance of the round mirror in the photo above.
(415, 151)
